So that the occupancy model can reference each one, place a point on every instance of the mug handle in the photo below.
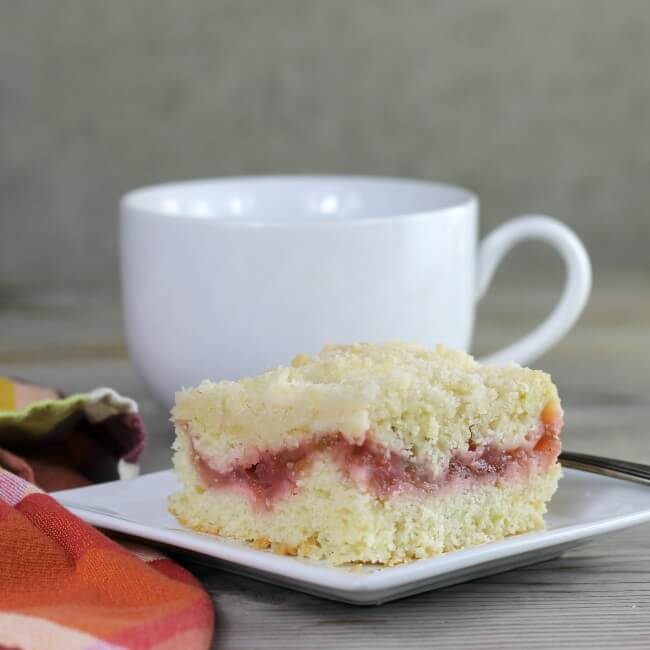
(576, 288)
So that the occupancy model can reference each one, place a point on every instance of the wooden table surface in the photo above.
(596, 596)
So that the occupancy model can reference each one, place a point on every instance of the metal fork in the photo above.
(623, 469)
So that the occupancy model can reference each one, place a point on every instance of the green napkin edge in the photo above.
(40, 417)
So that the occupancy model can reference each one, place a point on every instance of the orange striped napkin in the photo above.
(64, 585)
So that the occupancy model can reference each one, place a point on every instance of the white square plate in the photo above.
(586, 505)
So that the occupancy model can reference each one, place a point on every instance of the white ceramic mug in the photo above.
(226, 278)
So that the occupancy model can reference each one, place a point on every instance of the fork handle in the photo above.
(608, 466)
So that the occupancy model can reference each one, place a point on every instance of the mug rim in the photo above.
(140, 201)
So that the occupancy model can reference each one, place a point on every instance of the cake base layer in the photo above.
(330, 519)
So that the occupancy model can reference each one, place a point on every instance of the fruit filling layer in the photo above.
(384, 472)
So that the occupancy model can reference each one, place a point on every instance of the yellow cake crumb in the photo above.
(412, 398)
(425, 404)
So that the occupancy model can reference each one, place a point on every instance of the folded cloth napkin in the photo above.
(63, 584)
(62, 442)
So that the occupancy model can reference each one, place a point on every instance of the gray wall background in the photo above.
(538, 106)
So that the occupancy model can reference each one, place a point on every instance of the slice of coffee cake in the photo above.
(369, 453)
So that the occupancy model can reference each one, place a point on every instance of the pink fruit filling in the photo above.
(385, 472)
